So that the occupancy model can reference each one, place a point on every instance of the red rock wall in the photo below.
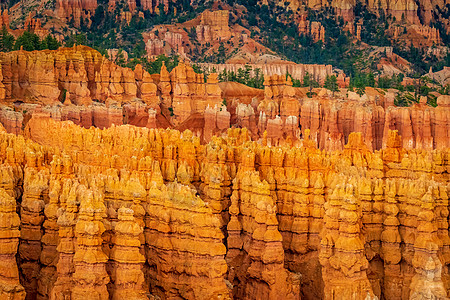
(80, 77)
(410, 11)
(331, 120)
(75, 10)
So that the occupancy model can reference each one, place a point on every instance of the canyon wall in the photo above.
(214, 26)
(411, 11)
(287, 112)
(297, 71)
(77, 75)
(74, 11)
(130, 210)
(329, 121)
(80, 85)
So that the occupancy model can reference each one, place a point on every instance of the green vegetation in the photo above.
(271, 25)
(155, 66)
(308, 81)
(361, 90)
(331, 83)
(422, 87)
(63, 95)
(49, 42)
(360, 80)
(374, 28)
(11, 3)
(386, 82)
(280, 34)
(106, 32)
(247, 76)
(6, 40)
(405, 99)
(28, 41)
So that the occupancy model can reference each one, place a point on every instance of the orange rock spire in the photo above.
(234, 217)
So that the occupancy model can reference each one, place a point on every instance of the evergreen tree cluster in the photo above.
(28, 41)
(246, 75)
(308, 81)
(155, 66)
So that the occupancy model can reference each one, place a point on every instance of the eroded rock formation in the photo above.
(10, 288)
(297, 71)
(80, 85)
(181, 99)
(75, 10)
(213, 26)
(410, 11)
(154, 212)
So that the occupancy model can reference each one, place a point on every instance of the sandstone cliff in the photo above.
(82, 86)
(297, 71)
(412, 11)
(152, 209)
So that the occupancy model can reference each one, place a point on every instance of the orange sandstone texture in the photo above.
(10, 288)
(153, 212)
(75, 75)
(184, 246)
(255, 250)
(127, 277)
(80, 85)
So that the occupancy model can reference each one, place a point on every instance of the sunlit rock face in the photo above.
(80, 85)
(156, 213)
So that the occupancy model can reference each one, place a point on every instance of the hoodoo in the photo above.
(238, 150)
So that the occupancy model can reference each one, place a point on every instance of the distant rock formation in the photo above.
(313, 29)
(213, 26)
(75, 10)
(297, 71)
(408, 10)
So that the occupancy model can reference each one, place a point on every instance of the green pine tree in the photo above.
(29, 41)
(6, 40)
(331, 83)
(51, 43)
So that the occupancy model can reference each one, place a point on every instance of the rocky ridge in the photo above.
(82, 86)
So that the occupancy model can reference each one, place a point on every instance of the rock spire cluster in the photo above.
(137, 212)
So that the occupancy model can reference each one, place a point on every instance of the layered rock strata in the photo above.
(409, 11)
(10, 287)
(297, 71)
(127, 277)
(234, 218)
(255, 250)
(82, 86)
